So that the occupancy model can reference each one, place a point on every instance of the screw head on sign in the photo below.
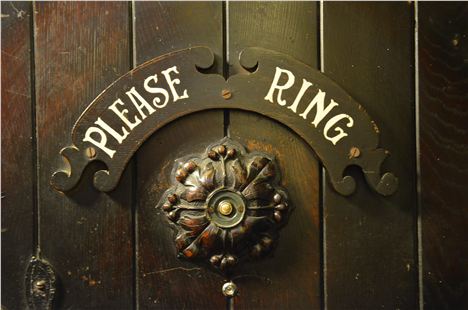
(226, 94)
(90, 152)
(40, 284)
(229, 289)
(354, 152)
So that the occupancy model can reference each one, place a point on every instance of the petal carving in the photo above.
(204, 242)
(263, 191)
(240, 175)
(255, 166)
(193, 223)
(239, 233)
(207, 178)
(194, 193)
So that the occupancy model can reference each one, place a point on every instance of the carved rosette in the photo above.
(226, 205)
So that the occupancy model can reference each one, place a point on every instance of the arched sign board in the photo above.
(157, 92)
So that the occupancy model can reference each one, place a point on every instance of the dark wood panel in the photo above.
(17, 161)
(290, 28)
(163, 280)
(370, 240)
(163, 27)
(443, 89)
(291, 279)
(81, 47)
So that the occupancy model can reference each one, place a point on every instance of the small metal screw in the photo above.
(40, 284)
(90, 152)
(229, 289)
(354, 152)
(39, 287)
(226, 94)
(225, 207)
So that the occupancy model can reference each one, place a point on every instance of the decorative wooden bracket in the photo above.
(142, 101)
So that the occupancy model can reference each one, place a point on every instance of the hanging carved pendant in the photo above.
(226, 205)
(40, 284)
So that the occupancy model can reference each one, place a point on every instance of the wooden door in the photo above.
(404, 62)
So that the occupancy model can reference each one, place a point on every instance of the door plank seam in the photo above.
(419, 255)
(323, 179)
(34, 135)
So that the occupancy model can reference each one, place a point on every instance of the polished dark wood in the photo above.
(80, 48)
(370, 241)
(163, 281)
(289, 28)
(443, 101)
(18, 169)
(163, 278)
(291, 279)
(115, 250)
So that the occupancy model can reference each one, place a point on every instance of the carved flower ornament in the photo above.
(226, 205)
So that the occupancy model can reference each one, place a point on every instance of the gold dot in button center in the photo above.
(225, 207)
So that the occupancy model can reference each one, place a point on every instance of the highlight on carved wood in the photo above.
(226, 205)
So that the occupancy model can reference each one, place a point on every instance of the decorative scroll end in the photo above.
(226, 205)
(66, 180)
(345, 186)
(248, 58)
(40, 284)
(385, 186)
(370, 161)
(104, 181)
(204, 57)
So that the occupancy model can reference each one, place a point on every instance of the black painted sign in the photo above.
(139, 103)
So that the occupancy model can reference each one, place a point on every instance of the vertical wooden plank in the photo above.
(163, 27)
(290, 28)
(81, 47)
(17, 161)
(370, 240)
(291, 279)
(443, 100)
(164, 281)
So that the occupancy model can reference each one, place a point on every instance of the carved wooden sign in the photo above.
(157, 92)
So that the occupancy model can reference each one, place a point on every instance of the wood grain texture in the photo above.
(81, 47)
(17, 162)
(162, 27)
(290, 28)
(443, 89)
(164, 281)
(291, 279)
(370, 240)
